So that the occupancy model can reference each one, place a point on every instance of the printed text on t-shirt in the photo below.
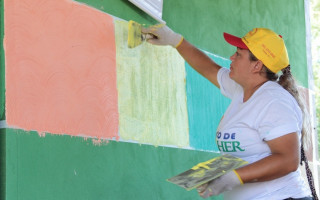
(230, 144)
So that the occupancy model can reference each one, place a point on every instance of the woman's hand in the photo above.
(163, 35)
(219, 185)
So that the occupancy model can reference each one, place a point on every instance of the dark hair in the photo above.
(287, 81)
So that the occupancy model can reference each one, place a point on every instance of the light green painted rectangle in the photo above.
(152, 93)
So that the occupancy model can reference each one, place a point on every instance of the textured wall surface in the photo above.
(150, 115)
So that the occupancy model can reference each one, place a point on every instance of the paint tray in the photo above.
(207, 171)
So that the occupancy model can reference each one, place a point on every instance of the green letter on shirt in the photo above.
(236, 144)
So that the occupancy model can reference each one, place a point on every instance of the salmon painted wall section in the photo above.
(2, 60)
(60, 68)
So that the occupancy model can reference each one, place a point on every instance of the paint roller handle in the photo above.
(162, 35)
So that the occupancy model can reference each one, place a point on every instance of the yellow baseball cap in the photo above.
(266, 45)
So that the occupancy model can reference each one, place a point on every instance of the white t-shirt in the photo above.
(270, 112)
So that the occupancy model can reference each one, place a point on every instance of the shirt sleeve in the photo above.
(279, 118)
(228, 87)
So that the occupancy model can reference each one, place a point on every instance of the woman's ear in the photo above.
(258, 66)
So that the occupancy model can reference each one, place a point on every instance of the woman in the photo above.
(265, 116)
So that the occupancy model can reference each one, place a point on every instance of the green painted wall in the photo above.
(203, 22)
(120, 8)
(63, 167)
(2, 163)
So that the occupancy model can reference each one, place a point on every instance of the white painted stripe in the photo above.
(103, 140)
(3, 124)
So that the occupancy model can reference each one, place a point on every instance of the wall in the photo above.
(67, 165)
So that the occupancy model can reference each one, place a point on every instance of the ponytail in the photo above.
(287, 81)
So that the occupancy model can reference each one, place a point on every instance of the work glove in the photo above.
(162, 35)
(221, 184)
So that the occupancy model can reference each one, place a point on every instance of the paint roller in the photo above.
(135, 36)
